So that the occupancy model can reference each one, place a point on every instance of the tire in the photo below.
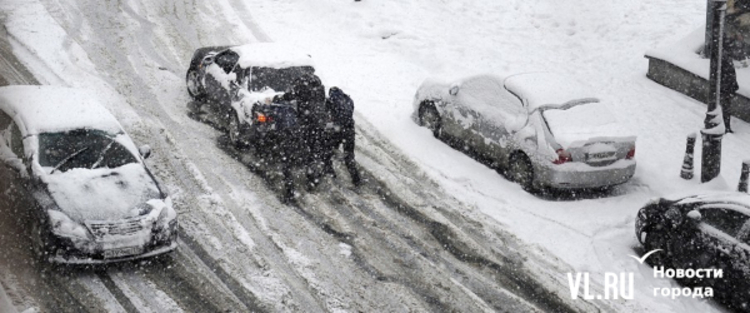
(521, 171)
(430, 118)
(233, 129)
(658, 239)
(194, 88)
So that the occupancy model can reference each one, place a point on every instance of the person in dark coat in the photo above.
(309, 94)
(288, 146)
(340, 108)
(727, 87)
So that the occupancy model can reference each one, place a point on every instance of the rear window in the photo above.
(582, 118)
(277, 79)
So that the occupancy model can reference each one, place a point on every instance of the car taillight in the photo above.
(631, 153)
(562, 156)
(262, 118)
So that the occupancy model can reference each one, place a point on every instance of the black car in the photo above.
(241, 88)
(67, 164)
(710, 231)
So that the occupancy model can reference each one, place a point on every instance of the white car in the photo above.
(67, 162)
(541, 129)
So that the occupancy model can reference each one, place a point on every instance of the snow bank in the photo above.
(684, 53)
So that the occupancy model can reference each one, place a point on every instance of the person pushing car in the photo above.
(340, 131)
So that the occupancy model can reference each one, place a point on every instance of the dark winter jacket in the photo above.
(309, 93)
(341, 108)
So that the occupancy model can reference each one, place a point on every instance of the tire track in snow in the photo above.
(529, 284)
(152, 114)
(25, 77)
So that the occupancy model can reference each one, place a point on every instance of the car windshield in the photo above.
(275, 78)
(81, 148)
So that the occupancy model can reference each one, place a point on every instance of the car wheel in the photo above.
(192, 81)
(430, 118)
(233, 130)
(521, 171)
(658, 239)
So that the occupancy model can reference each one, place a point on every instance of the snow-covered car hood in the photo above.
(583, 122)
(102, 194)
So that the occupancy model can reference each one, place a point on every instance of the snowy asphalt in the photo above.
(397, 244)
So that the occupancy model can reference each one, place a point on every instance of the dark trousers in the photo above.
(345, 136)
(726, 104)
(314, 148)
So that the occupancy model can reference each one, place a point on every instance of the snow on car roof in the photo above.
(273, 55)
(53, 109)
(545, 88)
(713, 197)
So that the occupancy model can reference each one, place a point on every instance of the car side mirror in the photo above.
(695, 216)
(207, 61)
(15, 164)
(454, 90)
(145, 151)
(516, 123)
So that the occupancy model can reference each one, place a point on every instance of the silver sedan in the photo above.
(540, 129)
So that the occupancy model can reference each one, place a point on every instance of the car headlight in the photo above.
(63, 226)
(167, 213)
(674, 216)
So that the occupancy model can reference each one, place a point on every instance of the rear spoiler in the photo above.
(566, 105)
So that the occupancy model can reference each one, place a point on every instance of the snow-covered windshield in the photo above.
(278, 79)
(82, 148)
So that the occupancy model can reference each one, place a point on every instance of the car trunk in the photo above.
(590, 133)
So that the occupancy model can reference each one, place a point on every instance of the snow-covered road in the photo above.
(400, 243)
(432, 230)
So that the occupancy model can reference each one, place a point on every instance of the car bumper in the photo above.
(581, 175)
(75, 259)
(260, 134)
(64, 251)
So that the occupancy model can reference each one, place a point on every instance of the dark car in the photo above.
(67, 163)
(235, 87)
(710, 231)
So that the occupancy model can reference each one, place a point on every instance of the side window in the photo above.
(16, 141)
(728, 221)
(487, 95)
(227, 60)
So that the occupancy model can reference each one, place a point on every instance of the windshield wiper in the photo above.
(68, 158)
(101, 155)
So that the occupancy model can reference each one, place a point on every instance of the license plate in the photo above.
(122, 252)
(600, 155)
